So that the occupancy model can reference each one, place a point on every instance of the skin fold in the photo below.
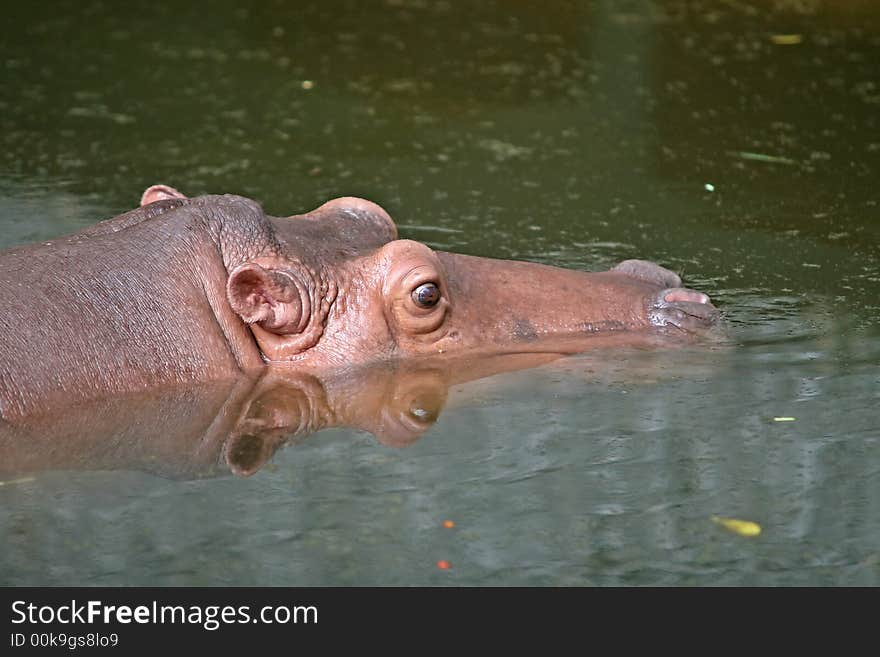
(182, 291)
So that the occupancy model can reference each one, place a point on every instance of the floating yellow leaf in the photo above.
(787, 39)
(741, 527)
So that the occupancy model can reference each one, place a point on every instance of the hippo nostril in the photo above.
(682, 294)
(682, 308)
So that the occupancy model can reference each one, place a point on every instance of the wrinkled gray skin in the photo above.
(194, 290)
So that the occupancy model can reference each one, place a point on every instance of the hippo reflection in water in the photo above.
(183, 291)
(236, 425)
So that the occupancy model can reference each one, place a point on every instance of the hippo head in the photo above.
(337, 287)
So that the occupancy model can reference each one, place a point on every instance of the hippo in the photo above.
(184, 290)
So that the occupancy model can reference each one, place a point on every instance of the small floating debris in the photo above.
(433, 229)
(784, 419)
(22, 480)
(449, 524)
(741, 527)
(786, 39)
(709, 187)
(762, 157)
(307, 84)
(503, 150)
(443, 565)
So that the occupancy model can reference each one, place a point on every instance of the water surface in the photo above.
(737, 144)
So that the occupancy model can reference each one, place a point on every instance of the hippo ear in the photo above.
(245, 454)
(159, 193)
(267, 297)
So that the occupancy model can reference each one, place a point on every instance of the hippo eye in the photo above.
(422, 414)
(426, 295)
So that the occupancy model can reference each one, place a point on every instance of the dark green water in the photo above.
(738, 143)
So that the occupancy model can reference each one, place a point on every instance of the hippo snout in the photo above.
(682, 308)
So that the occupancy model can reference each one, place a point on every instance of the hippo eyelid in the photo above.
(419, 275)
(421, 272)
